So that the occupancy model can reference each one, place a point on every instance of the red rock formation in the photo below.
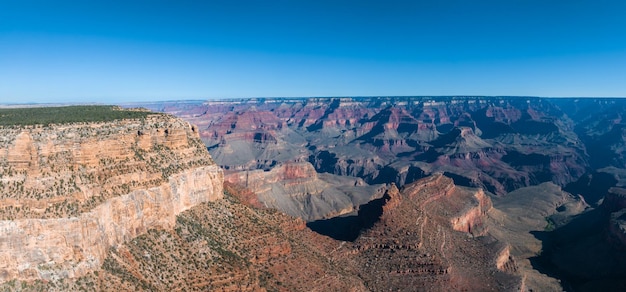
(226, 245)
(415, 243)
(471, 220)
(394, 199)
(362, 136)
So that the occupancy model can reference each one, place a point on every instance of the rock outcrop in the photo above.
(69, 192)
(298, 190)
(431, 235)
(471, 218)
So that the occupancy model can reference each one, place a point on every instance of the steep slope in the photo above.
(70, 191)
(393, 131)
(430, 237)
(252, 139)
(220, 246)
(599, 122)
(587, 252)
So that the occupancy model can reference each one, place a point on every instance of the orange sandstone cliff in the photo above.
(69, 192)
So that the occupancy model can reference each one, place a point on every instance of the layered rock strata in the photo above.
(70, 192)
(495, 143)
(217, 246)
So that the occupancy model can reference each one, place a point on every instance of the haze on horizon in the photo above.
(118, 51)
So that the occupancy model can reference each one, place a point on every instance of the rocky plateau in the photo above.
(298, 190)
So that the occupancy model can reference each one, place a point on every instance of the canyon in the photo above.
(294, 194)
(419, 242)
(497, 143)
(546, 163)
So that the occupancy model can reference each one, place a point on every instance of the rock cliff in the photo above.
(69, 192)
(615, 204)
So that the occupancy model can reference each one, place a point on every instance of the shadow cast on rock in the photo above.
(348, 228)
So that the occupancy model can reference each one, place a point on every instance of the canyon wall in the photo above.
(498, 144)
(70, 192)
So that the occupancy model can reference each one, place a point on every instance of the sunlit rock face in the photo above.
(69, 192)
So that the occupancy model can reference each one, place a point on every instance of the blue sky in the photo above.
(115, 51)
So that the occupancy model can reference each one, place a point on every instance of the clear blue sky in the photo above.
(113, 51)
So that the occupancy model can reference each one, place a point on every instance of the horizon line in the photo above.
(12, 104)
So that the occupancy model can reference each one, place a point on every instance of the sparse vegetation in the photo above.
(215, 246)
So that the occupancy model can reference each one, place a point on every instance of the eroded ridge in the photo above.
(431, 234)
